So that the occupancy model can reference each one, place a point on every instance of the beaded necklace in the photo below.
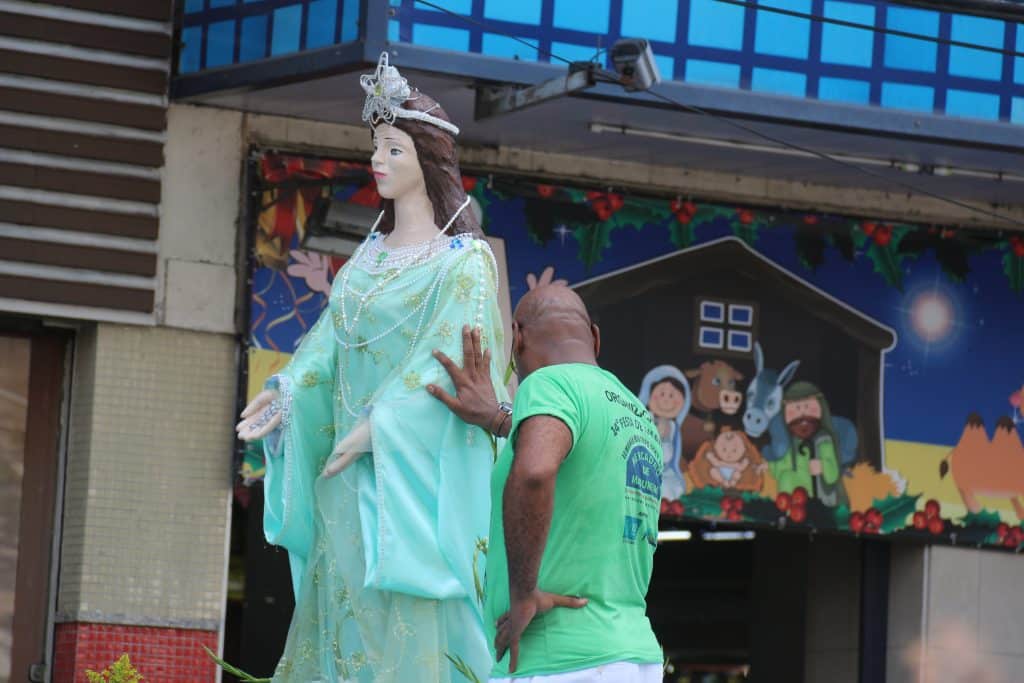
(371, 257)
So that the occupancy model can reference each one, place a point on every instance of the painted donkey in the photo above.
(764, 412)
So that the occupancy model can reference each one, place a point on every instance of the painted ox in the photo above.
(714, 393)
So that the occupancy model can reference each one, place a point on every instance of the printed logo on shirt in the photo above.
(643, 471)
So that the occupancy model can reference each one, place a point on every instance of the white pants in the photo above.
(616, 672)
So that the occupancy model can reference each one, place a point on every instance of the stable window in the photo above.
(723, 325)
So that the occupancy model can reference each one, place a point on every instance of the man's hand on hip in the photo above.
(512, 623)
(474, 400)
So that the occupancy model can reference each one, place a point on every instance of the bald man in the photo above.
(574, 502)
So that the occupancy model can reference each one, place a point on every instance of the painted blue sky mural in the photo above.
(960, 350)
(959, 344)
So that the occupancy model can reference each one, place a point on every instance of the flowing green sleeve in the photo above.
(425, 514)
(826, 449)
(296, 450)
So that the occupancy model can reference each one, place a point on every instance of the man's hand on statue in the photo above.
(547, 277)
(814, 467)
(474, 400)
(512, 623)
(260, 417)
(355, 445)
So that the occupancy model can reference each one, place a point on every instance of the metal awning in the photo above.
(967, 159)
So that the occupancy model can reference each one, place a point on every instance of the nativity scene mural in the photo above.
(804, 370)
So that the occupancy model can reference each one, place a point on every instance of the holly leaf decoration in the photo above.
(704, 502)
(745, 231)
(843, 242)
(1013, 266)
(682, 235)
(952, 256)
(593, 240)
(810, 246)
(639, 213)
(895, 510)
(985, 518)
(883, 250)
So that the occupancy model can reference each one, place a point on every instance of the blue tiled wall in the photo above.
(707, 42)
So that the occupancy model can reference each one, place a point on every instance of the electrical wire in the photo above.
(489, 29)
(610, 77)
(868, 27)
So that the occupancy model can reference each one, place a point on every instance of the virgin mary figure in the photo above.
(377, 491)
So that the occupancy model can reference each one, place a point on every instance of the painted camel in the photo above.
(981, 466)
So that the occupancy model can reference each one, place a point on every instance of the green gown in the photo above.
(387, 558)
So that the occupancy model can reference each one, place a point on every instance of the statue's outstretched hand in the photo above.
(260, 417)
(355, 444)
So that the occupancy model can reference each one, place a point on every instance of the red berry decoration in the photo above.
(745, 217)
(873, 517)
(810, 219)
(856, 522)
(936, 525)
(592, 195)
(664, 505)
(947, 233)
(798, 513)
(602, 208)
(546, 191)
(1002, 530)
(932, 509)
(869, 228)
(684, 217)
(615, 201)
(783, 501)
(737, 504)
(468, 183)
(799, 496)
(735, 515)
(883, 235)
(1017, 244)
(725, 504)
(920, 521)
(690, 208)
(678, 508)
(675, 206)
(870, 528)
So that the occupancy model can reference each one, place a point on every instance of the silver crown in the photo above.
(386, 90)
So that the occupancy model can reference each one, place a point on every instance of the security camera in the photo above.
(633, 60)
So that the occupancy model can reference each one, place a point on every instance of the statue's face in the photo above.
(395, 164)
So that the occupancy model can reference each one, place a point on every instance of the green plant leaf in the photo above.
(462, 668)
(234, 670)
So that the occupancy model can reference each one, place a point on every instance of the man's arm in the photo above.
(542, 443)
(541, 446)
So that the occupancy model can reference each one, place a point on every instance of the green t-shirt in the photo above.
(604, 526)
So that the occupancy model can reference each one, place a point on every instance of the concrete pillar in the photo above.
(146, 515)
(955, 616)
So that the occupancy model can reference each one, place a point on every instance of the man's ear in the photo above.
(596, 331)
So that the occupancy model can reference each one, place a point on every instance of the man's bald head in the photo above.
(553, 326)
